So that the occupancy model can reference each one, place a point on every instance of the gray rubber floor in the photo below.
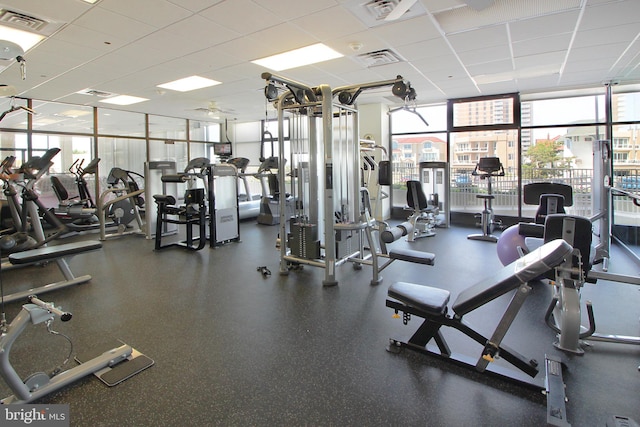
(232, 347)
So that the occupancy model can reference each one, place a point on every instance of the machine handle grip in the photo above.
(65, 316)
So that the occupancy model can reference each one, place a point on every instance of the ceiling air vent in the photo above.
(20, 20)
(380, 9)
(379, 12)
(94, 92)
(379, 57)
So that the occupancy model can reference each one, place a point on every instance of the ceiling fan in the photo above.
(212, 110)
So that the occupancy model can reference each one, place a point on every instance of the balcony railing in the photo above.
(465, 187)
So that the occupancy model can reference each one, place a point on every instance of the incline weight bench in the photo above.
(57, 253)
(431, 304)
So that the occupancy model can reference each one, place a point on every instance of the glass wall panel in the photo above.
(204, 131)
(126, 153)
(467, 148)
(161, 127)
(14, 144)
(625, 147)
(123, 123)
(562, 111)
(11, 113)
(63, 118)
(484, 112)
(74, 150)
(562, 155)
(412, 144)
(406, 154)
(432, 118)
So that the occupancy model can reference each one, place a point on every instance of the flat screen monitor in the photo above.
(222, 149)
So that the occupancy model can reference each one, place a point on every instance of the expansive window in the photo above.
(419, 135)
(625, 147)
(119, 138)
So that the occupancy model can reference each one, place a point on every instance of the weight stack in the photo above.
(303, 240)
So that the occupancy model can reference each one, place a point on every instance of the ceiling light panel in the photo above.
(24, 39)
(123, 100)
(189, 83)
(299, 57)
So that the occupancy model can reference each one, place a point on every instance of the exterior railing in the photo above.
(465, 187)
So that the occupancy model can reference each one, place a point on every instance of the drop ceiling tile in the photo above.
(435, 6)
(367, 39)
(424, 49)
(407, 32)
(195, 5)
(611, 14)
(70, 54)
(605, 53)
(550, 59)
(329, 23)
(198, 33)
(479, 39)
(583, 78)
(81, 36)
(493, 67)
(114, 24)
(157, 13)
(553, 42)
(489, 54)
(501, 12)
(241, 16)
(281, 38)
(557, 23)
(619, 33)
(291, 9)
(214, 58)
(247, 48)
(441, 68)
(498, 88)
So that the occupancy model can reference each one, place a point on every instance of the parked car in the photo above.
(630, 182)
(463, 181)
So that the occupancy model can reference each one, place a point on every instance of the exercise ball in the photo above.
(508, 244)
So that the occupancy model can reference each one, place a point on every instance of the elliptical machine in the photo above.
(79, 213)
(121, 203)
(487, 168)
(29, 233)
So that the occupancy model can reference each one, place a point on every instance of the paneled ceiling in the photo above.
(445, 48)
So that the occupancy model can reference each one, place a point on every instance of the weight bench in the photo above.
(57, 253)
(432, 304)
(390, 235)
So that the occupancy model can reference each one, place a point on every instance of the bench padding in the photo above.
(513, 275)
(432, 301)
(411, 255)
(53, 252)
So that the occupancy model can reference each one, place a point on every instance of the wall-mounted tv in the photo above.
(222, 149)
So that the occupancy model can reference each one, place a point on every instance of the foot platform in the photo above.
(133, 363)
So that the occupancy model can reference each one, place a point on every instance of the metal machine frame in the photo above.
(325, 171)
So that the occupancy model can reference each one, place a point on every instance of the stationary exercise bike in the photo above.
(487, 168)
(112, 366)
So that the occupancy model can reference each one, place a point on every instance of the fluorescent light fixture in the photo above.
(91, 1)
(24, 39)
(189, 83)
(298, 57)
(124, 100)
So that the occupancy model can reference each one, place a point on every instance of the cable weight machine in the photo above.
(328, 223)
